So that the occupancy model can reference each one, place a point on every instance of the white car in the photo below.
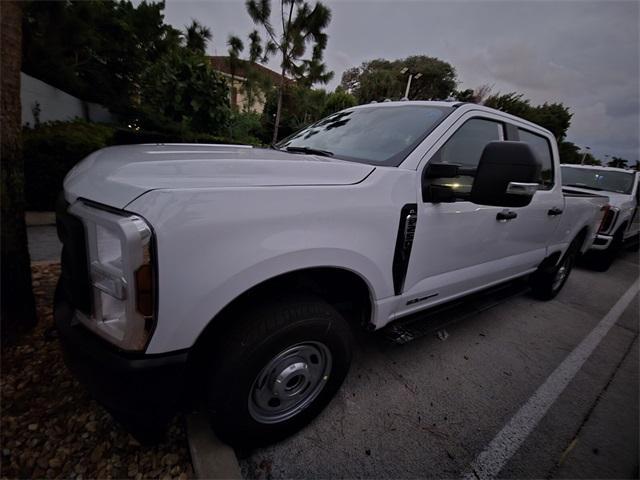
(621, 224)
(241, 270)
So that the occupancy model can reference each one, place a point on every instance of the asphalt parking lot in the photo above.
(430, 407)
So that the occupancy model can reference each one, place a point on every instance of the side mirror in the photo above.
(507, 175)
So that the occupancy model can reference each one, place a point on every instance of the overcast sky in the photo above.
(582, 53)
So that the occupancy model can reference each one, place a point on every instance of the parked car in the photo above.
(620, 225)
(242, 270)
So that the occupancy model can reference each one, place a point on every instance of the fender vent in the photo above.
(404, 242)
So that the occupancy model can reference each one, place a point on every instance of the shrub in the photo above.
(246, 128)
(50, 151)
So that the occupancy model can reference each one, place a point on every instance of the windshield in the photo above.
(382, 135)
(592, 179)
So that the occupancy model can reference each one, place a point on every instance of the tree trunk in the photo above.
(18, 306)
(279, 109)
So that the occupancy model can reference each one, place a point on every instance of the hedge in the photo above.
(51, 150)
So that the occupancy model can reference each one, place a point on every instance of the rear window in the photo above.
(598, 180)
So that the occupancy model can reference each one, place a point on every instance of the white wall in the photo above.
(56, 104)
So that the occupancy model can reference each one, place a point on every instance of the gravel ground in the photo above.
(51, 428)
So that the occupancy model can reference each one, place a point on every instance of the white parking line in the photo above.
(489, 463)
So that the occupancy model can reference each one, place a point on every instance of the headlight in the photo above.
(122, 272)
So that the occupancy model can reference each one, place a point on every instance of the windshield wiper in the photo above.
(580, 185)
(310, 151)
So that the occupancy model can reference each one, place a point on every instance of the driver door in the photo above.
(458, 246)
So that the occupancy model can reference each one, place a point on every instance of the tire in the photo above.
(546, 283)
(299, 347)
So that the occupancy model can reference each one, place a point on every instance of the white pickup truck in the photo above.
(241, 270)
(621, 222)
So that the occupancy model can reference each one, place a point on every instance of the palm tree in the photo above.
(235, 48)
(197, 36)
(18, 305)
(302, 26)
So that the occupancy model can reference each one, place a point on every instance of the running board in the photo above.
(438, 318)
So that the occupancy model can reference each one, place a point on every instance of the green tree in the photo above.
(183, 92)
(197, 36)
(96, 50)
(570, 153)
(380, 79)
(301, 25)
(18, 312)
(477, 95)
(300, 107)
(338, 100)
(618, 162)
(555, 117)
(513, 103)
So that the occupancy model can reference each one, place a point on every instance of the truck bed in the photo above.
(568, 192)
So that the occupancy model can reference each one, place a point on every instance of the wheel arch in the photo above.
(554, 257)
(343, 288)
(623, 227)
(580, 238)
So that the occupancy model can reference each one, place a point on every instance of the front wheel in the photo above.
(547, 283)
(276, 369)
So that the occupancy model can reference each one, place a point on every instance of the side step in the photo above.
(438, 318)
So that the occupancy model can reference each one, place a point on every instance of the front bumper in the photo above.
(136, 386)
(602, 242)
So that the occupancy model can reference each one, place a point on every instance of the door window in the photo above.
(464, 148)
(542, 149)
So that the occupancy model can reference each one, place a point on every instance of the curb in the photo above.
(210, 457)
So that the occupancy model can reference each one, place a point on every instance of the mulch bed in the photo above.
(51, 428)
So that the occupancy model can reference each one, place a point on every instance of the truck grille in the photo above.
(74, 276)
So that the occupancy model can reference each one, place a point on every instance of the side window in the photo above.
(542, 148)
(464, 148)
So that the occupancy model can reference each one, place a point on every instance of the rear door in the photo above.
(528, 238)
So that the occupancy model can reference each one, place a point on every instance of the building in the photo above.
(239, 96)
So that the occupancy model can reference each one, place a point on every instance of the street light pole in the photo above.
(411, 77)
(406, 92)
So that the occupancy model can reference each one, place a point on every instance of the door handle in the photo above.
(554, 211)
(506, 215)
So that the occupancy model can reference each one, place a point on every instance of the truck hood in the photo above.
(116, 176)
